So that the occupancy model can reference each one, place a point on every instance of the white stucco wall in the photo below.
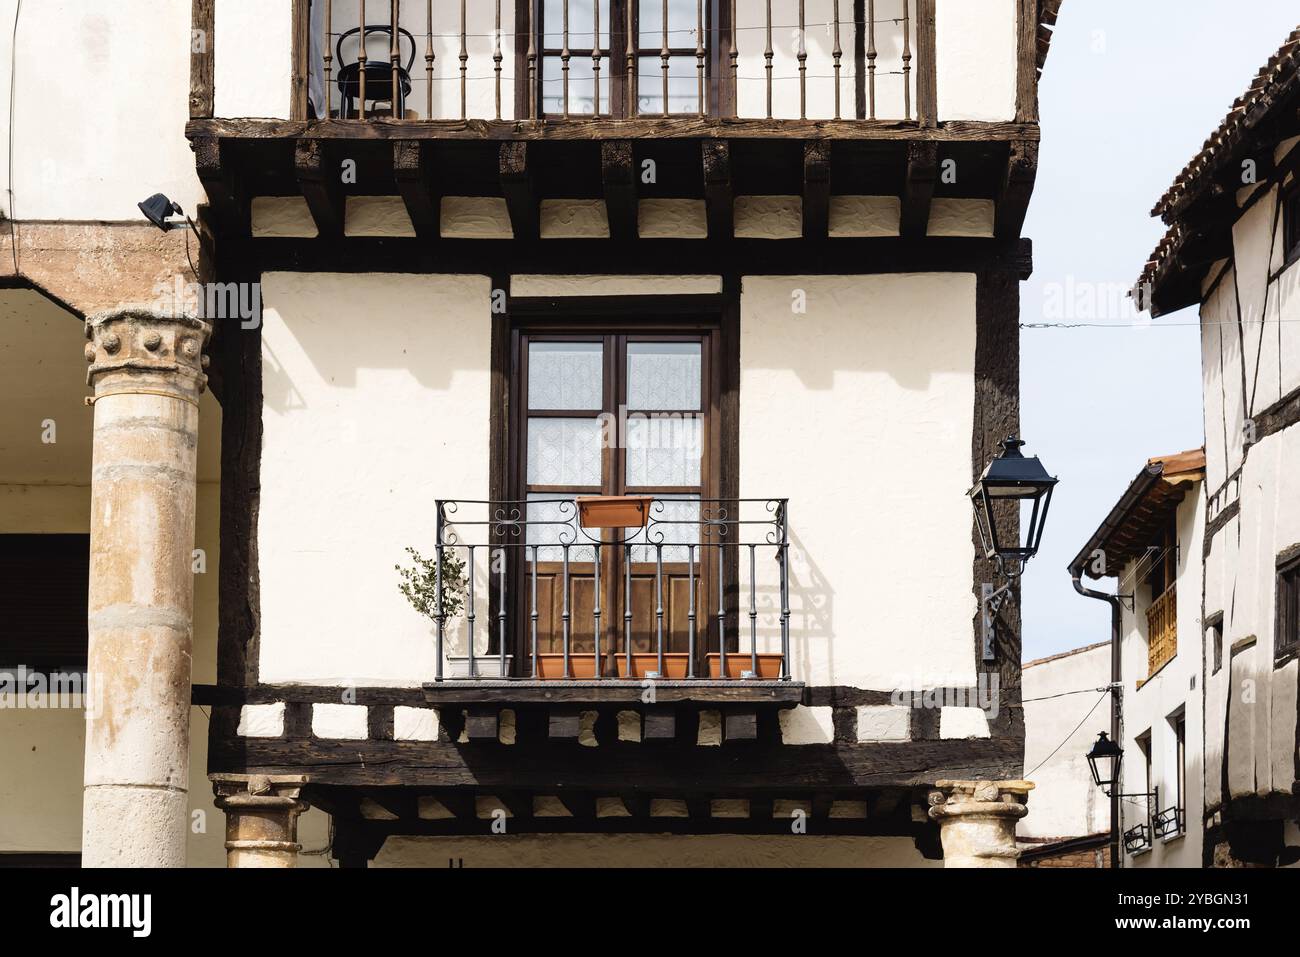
(99, 107)
(1059, 693)
(1176, 688)
(975, 59)
(879, 368)
(392, 410)
(375, 404)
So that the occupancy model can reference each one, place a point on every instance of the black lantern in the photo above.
(1013, 478)
(1104, 759)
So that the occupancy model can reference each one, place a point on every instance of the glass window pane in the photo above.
(565, 375)
(663, 375)
(674, 523)
(683, 18)
(582, 91)
(663, 450)
(581, 24)
(552, 522)
(683, 85)
(564, 451)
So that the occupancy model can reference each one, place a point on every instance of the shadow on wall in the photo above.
(329, 330)
(909, 327)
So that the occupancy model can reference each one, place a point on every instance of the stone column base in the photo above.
(261, 818)
(977, 821)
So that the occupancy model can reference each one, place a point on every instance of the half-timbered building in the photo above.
(658, 341)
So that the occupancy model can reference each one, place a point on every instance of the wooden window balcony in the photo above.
(584, 61)
(1162, 630)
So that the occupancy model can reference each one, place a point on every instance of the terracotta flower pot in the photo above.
(769, 665)
(614, 511)
(550, 667)
(645, 662)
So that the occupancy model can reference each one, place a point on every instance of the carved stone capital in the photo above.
(977, 820)
(261, 818)
(145, 351)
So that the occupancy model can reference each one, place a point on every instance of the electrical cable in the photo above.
(1104, 694)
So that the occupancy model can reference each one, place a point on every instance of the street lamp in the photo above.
(1009, 481)
(1011, 478)
(1104, 760)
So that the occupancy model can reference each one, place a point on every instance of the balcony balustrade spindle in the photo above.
(595, 56)
(595, 612)
(361, 62)
(497, 57)
(767, 57)
(470, 615)
(534, 615)
(699, 54)
(395, 58)
(802, 56)
(429, 57)
(753, 611)
(837, 54)
(663, 56)
(327, 49)
(722, 608)
(464, 60)
(690, 611)
(871, 58)
(907, 62)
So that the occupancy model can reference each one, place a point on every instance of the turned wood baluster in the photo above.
(767, 56)
(699, 52)
(871, 56)
(395, 57)
(532, 60)
(663, 56)
(329, 54)
(837, 53)
(631, 44)
(803, 67)
(907, 62)
(429, 57)
(464, 59)
(497, 57)
(564, 59)
(735, 65)
(361, 62)
(595, 58)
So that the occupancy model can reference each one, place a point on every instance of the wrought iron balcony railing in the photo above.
(593, 588)
(1169, 823)
(618, 59)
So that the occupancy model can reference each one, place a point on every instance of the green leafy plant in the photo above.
(420, 583)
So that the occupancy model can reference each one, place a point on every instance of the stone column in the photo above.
(261, 818)
(146, 370)
(977, 821)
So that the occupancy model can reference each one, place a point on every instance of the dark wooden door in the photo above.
(615, 413)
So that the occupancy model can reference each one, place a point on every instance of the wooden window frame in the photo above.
(620, 105)
(1214, 624)
(577, 316)
(1286, 625)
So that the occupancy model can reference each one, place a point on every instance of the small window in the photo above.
(1216, 642)
(1291, 225)
(1288, 608)
(1180, 739)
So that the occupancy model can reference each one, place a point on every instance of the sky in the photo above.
(1129, 95)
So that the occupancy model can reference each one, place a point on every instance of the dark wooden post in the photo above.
(202, 22)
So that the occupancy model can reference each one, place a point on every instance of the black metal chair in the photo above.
(379, 74)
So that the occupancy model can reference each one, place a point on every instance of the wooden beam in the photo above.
(740, 725)
(564, 724)
(927, 100)
(202, 58)
(1027, 61)
(1016, 189)
(482, 723)
(387, 128)
(918, 189)
(519, 190)
(619, 182)
(413, 173)
(816, 189)
(227, 198)
(660, 724)
(321, 182)
(718, 197)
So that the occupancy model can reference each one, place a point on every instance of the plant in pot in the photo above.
(419, 585)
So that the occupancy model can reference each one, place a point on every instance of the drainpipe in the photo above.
(1116, 694)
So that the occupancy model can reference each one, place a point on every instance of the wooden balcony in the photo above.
(493, 101)
(1162, 630)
